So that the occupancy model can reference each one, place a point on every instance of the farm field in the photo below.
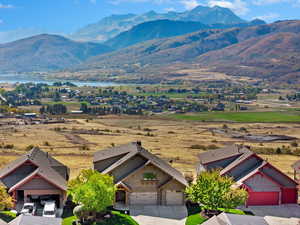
(243, 117)
(177, 141)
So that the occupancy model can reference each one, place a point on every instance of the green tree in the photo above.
(93, 190)
(6, 201)
(214, 191)
(84, 107)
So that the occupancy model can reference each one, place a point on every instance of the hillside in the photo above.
(153, 30)
(111, 26)
(46, 52)
(165, 28)
(275, 56)
(156, 57)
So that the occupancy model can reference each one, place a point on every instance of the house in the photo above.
(35, 220)
(233, 219)
(141, 177)
(265, 184)
(35, 176)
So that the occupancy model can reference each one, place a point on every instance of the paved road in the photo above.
(160, 215)
(286, 211)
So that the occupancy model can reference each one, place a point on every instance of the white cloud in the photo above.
(238, 6)
(268, 17)
(267, 2)
(2, 6)
(190, 4)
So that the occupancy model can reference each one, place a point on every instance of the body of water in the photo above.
(12, 79)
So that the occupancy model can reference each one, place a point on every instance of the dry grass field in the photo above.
(74, 142)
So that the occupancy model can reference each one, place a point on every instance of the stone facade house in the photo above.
(141, 177)
(265, 184)
(36, 176)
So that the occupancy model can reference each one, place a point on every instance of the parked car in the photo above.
(49, 209)
(29, 209)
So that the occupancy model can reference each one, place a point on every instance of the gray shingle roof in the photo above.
(130, 150)
(233, 219)
(296, 166)
(35, 220)
(45, 165)
(222, 153)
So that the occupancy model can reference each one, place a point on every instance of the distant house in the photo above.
(141, 177)
(35, 220)
(233, 219)
(265, 184)
(36, 176)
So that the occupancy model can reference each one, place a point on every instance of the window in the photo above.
(149, 176)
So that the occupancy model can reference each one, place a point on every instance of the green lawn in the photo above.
(7, 216)
(194, 217)
(118, 219)
(245, 117)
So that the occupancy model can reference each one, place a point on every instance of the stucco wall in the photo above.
(138, 184)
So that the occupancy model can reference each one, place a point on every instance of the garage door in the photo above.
(174, 198)
(289, 196)
(263, 198)
(143, 198)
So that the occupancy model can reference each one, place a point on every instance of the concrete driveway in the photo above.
(286, 211)
(160, 215)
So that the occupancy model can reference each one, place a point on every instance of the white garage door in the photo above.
(143, 198)
(174, 198)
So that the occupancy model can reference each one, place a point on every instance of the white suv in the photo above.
(49, 209)
(28, 209)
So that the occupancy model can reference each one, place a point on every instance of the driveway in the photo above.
(286, 211)
(161, 215)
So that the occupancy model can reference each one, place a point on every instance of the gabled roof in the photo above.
(242, 155)
(36, 156)
(35, 220)
(44, 163)
(222, 153)
(49, 175)
(132, 149)
(234, 219)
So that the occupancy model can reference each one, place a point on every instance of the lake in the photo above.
(12, 79)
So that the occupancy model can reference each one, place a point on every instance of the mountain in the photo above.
(153, 30)
(46, 52)
(250, 51)
(111, 26)
(165, 28)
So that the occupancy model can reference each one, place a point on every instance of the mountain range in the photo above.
(113, 25)
(46, 52)
(165, 28)
(265, 51)
(164, 49)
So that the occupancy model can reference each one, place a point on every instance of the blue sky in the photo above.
(19, 17)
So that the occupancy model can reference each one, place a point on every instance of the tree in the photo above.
(84, 107)
(93, 190)
(6, 201)
(214, 191)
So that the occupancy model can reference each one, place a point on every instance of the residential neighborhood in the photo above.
(149, 189)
